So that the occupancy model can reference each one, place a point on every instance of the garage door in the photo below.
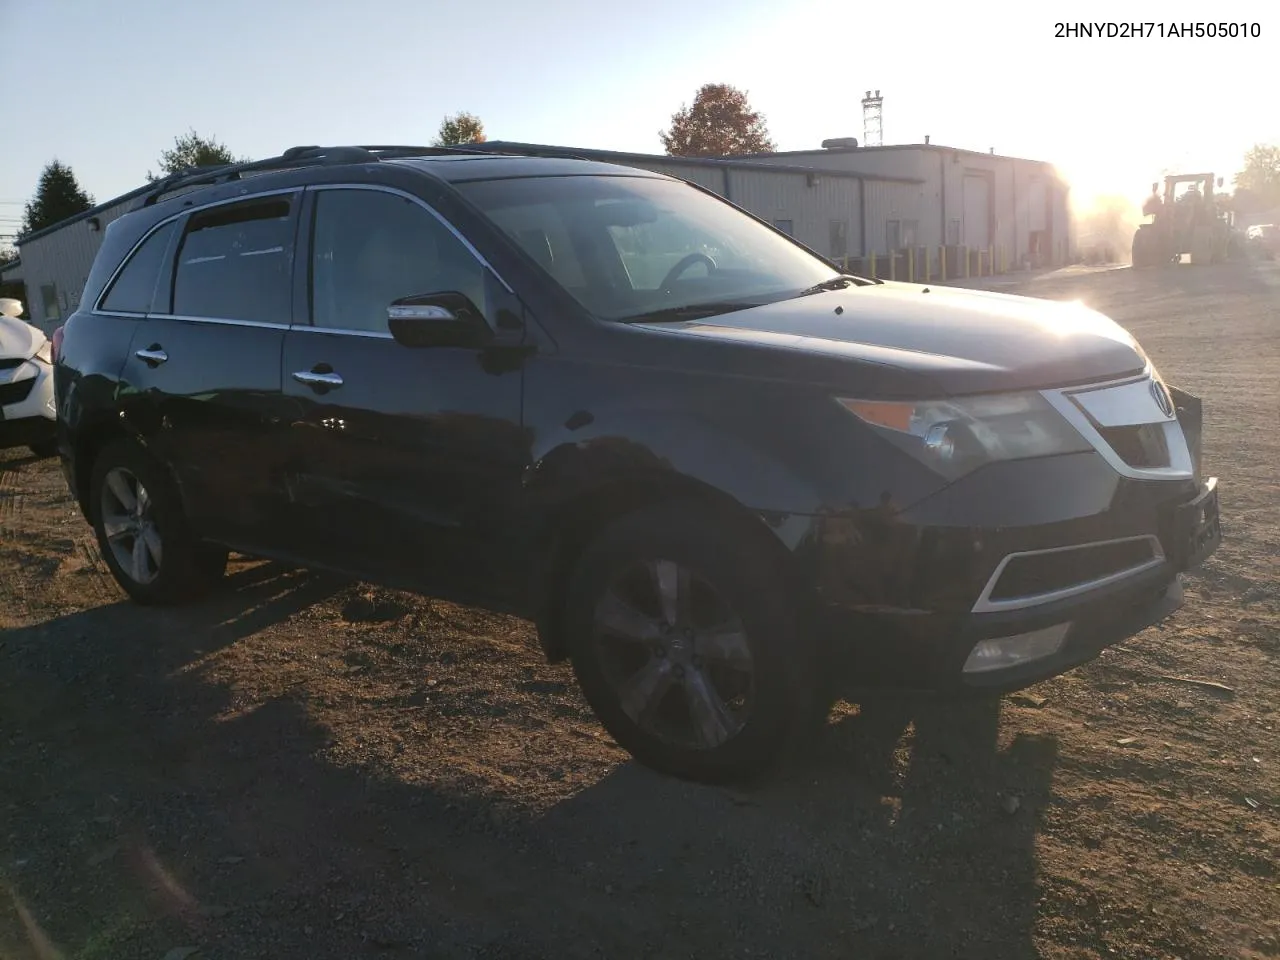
(1037, 205)
(977, 211)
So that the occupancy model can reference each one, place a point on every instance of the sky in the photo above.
(106, 85)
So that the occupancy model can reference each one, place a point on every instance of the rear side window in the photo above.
(234, 263)
(135, 285)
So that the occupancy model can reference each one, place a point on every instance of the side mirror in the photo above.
(1219, 183)
(446, 319)
(1155, 187)
(10, 307)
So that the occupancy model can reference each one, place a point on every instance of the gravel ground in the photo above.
(302, 767)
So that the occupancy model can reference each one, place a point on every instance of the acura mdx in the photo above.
(712, 468)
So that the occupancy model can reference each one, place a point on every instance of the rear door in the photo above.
(202, 378)
(406, 462)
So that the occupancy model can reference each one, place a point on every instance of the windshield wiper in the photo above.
(690, 311)
(836, 283)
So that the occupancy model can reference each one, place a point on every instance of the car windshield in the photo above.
(641, 248)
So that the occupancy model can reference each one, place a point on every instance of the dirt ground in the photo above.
(306, 768)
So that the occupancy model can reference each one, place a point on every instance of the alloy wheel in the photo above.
(675, 654)
(129, 525)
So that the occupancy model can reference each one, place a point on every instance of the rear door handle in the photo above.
(153, 356)
(320, 379)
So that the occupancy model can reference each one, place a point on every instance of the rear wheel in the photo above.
(1143, 255)
(1202, 243)
(142, 532)
(684, 642)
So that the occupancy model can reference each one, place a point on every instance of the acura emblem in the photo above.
(1161, 396)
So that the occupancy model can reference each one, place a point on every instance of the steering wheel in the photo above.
(687, 261)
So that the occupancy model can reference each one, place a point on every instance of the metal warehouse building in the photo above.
(1017, 209)
(54, 263)
(919, 212)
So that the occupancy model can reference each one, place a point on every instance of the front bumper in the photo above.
(26, 405)
(922, 627)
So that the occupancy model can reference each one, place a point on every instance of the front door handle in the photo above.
(319, 379)
(153, 356)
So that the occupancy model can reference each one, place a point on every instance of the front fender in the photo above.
(661, 446)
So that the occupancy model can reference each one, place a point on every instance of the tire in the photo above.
(742, 665)
(150, 550)
(1201, 246)
(1142, 255)
(44, 449)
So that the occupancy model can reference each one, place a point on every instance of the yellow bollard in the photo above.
(924, 268)
(991, 261)
(911, 265)
(966, 262)
(942, 263)
(893, 263)
(873, 264)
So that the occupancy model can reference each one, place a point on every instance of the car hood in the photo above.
(19, 340)
(964, 341)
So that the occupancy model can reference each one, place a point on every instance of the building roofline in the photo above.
(837, 151)
(87, 214)
(622, 156)
(535, 149)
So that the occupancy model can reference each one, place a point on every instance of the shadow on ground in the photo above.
(144, 808)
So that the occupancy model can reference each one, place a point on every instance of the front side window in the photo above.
(135, 286)
(371, 248)
(234, 262)
(627, 247)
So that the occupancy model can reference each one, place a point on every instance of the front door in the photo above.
(202, 377)
(405, 462)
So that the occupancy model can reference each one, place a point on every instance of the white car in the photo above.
(26, 383)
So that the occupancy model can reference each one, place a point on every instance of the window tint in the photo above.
(135, 286)
(234, 263)
(371, 248)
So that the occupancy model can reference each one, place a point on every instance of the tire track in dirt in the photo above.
(10, 500)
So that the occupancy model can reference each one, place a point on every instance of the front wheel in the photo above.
(142, 532)
(685, 644)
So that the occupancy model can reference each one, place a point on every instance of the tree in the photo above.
(720, 122)
(58, 196)
(1260, 177)
(192, 150)
(459, 129)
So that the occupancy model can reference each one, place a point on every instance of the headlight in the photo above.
(954, 437)
(45, 352)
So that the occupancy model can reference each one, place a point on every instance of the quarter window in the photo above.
(371, 248)
(234, 263)
(135, 287)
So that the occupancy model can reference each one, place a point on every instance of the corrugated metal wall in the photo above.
(812, 204)
(704, 176)
(893, 203)
(62, 259)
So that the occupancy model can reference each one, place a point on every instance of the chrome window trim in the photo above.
(406, 195)
(221, 321)
(984, 603)
(106, 287)
(1180, 465)
(341, 331)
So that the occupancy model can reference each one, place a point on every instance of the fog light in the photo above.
(1001, 652)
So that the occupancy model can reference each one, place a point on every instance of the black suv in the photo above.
(715, 471)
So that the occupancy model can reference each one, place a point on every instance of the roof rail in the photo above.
(300, 156)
